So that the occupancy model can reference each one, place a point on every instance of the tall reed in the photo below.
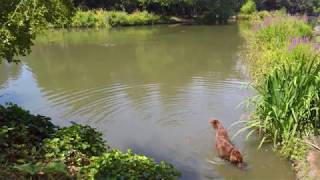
(285, 68)
(288, 101)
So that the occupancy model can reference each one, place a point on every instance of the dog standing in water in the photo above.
(224, 146)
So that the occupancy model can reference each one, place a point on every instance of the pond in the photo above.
(151, 89)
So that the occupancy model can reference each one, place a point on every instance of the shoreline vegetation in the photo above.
(34, 148)
(284, 64)
(283, 61)
(107, 19)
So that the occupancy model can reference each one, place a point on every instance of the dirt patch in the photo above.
(309, 168)
(313, 159)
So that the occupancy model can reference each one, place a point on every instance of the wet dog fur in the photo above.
(225, 148)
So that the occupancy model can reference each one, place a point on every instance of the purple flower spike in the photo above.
(294, 42)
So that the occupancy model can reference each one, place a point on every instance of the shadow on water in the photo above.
(151, 89)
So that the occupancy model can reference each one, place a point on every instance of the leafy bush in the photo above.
(22, 20)
(21, 134)
(137, 18)
(97, 19)
(103, 19)
(51, 170)
(118, 165)
(33, 148)
(74, 145)
(248, 7)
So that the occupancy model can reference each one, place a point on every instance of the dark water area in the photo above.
(151, 89)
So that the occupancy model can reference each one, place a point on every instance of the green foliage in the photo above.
(118, 165)
(33, 148)
(40, 168)
(269, 42)
(21, 134)
(249, 7)
(256, 16)
(136, 18)
(278, 31)
(74, 145)
(292, 6)
(286, 71)
(182, 8)
(96, 18)
(102, 18)
(20, 20)
(288, 103)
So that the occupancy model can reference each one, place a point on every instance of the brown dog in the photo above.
(224, 146)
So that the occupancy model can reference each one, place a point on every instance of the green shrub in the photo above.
(74, 145)
(116, 18)
(97, 19)
(103, 19)
(33, 148)
(51, 170)
(21, 134)
(249, 7)
(118, 165)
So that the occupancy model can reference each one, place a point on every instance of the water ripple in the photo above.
(147, 101)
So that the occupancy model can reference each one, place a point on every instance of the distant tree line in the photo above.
(292, 6)
(165, 7)
(191, 8)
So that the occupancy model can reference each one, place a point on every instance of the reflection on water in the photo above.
(151, 89)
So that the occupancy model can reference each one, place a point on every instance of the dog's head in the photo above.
(236, 157)
(215, 123)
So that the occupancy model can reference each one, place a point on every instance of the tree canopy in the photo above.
(292, 6)
(20, 20)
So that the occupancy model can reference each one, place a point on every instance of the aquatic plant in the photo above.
(288, 102)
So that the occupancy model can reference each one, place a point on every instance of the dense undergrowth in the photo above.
(105, 19)
(33, 148)
(284, 65)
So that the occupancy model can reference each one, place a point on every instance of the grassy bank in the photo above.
(105, 19)
(284, 65)
(34, 148)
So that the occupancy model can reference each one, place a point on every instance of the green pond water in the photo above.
(151, 89)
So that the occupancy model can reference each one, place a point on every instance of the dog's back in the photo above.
(224, 146)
